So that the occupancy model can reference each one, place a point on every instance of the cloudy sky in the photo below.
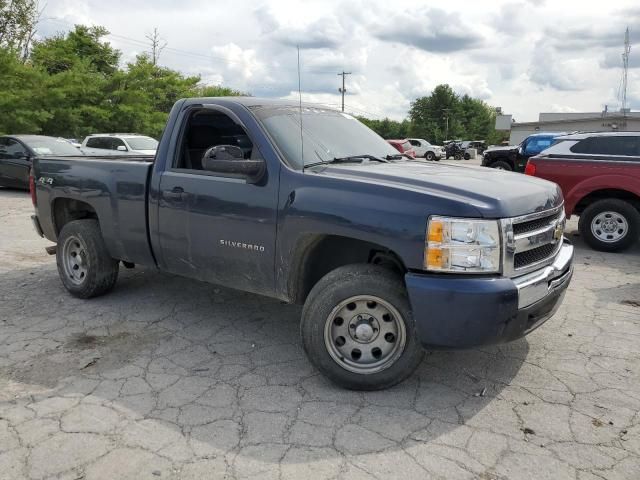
(525, 56)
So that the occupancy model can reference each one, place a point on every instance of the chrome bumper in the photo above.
(534, 286)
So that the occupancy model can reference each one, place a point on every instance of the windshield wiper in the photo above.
(395, 157)
(349, 159)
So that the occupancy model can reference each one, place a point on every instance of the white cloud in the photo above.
(525, 56)
(555, 108)
(239, 61)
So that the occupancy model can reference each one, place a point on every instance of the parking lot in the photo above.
(171, 378)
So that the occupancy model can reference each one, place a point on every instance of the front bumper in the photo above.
(469, 311)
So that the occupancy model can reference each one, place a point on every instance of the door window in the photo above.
(115, 143)
(609, 145)
(98, 142)
(12, 149)
(537, 145)
(206, 129)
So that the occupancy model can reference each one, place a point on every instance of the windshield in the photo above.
(327, 135)
(142, 143)
(51, 146)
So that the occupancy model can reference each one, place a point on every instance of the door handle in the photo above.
(176, 194)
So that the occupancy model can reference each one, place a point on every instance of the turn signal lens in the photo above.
(435, 261)
(435, 231)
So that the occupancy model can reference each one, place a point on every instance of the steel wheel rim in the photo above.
(365, 334)
(609, 227)
(74, 260)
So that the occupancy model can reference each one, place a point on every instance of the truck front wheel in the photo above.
(357, 328)
(501, 165)
(84, 264)
(610, 225)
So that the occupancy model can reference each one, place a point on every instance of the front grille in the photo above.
(532, 241)
(523, 259)
(532, 225)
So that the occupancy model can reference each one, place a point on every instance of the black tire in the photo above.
(342, 284)
(620, 207)
(458, 157)
(501, 165)
(467, 156)
(429, 156)
(99, 270)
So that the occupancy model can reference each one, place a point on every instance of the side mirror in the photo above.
(229, 160)
(121, 148)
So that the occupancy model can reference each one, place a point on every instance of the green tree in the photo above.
(73, 85)
(21, 88)
(82, 45)
(445, 114)
(387, 128)
(18, 20)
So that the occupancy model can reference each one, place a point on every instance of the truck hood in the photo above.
(502, 149)
(494, 193)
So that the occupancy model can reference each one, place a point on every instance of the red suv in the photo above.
(599, 174)
(403, 146)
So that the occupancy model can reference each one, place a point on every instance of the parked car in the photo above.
(479, 145)
(599, 174)
(426, 150)
(18, 151)
(403, 146)
(514, 157)
(387, 254)
(122, 142)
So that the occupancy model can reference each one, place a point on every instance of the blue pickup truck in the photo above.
(388, 255)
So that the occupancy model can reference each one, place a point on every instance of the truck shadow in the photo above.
(223, 373)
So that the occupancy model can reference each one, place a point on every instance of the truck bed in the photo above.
(114, 187)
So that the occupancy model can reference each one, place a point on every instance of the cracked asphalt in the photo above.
(168, 378)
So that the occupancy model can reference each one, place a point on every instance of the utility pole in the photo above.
(157, 45)
(343, 89)
(625, 71)
(446, 111)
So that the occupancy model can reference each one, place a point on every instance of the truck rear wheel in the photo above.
(84, 264)
(610, 225)
(357, 328)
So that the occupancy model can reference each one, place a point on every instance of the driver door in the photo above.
(213, 227)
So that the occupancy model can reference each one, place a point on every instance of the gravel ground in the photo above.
(171, 378)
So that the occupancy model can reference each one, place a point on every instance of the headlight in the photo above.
(462, 245)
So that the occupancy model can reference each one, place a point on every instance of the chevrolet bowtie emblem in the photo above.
(557, 233)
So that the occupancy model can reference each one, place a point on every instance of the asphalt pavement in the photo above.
(168, 378)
